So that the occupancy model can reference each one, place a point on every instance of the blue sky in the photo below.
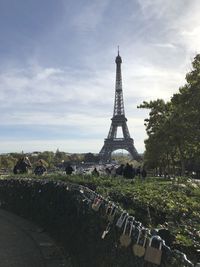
(57, 69)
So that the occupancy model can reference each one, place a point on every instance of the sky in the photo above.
(57, 67)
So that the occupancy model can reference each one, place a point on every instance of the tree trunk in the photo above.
(173, 165)
(182, 162)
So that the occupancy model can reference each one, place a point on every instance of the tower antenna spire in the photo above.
(118, 49)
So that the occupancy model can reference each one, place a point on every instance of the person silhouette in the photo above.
(69, 169)
(22, 166)
(40, 168)
(95, 172)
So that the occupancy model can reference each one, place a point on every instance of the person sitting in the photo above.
(40, 168)
(22, 166)
(69, 169)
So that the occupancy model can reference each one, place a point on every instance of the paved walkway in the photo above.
(22, 244)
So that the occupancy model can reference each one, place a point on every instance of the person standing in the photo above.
(128, 171)
(95, 172)
(143, 174)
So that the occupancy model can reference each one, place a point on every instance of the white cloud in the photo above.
(179, 20)
(49, 85)
(159, 9)
(157, 45)
(70, 145)
(85, 124)
(89, 16)
(65, 99)
(164, 45)
(87, 101)
(148, 82)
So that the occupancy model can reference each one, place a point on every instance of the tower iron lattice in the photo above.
(112, 143)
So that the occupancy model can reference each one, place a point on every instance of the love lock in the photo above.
(111, 212)
(139, 250)
(122, 219)
(106, 231)
(125, 238)
(96, 204)
(152, 254)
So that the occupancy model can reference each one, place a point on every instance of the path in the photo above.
(22, 244)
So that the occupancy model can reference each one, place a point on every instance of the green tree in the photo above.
(48, 156)
(173, 128)
(7, 162)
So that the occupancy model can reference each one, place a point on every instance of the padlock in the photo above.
(152, 254)
(139, 250)
(111, 213)
(96, 204)
(106, 231)
(122, 219)
(108, 207)
(125, 238)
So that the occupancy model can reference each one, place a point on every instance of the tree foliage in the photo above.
(51, 159)
(173, 127)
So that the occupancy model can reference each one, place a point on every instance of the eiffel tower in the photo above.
(112, 143)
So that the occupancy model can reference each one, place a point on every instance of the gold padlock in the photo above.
(152, 254)
(125, 238)
(139, 250)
